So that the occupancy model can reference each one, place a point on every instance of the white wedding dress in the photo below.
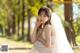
(61, 44)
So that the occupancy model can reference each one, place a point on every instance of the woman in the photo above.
(48, 35)
(43, 33)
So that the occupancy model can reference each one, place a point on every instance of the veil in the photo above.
(61, 43)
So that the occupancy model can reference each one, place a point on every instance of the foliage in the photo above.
(16, 7)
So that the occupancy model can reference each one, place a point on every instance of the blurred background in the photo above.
(17, 20)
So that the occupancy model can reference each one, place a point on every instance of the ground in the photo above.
(15, 44)
(19, 44)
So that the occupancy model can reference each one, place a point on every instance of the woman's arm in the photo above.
(47, 41)
(48, 36)
(34, 35)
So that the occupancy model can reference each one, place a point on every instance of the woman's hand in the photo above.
(38, 23)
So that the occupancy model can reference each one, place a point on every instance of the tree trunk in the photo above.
(18, 19)
(68, 12)
(29, 26)
(11, 19)
(23, 19)
(13, 23)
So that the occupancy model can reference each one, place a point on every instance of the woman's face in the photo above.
(43, 18)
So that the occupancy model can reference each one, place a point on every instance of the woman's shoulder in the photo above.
(48, 26)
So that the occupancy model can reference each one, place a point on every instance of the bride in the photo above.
(48, 35)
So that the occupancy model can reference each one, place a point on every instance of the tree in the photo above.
(18, 20)
(23, 18)
(68, 13)
(11, 17)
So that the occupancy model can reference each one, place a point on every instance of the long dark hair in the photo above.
(47, 13)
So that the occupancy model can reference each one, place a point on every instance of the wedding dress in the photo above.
(61, 43)
(59, 40)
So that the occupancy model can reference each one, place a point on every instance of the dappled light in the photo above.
(18, 19)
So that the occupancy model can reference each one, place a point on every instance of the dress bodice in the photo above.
(42, 35)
